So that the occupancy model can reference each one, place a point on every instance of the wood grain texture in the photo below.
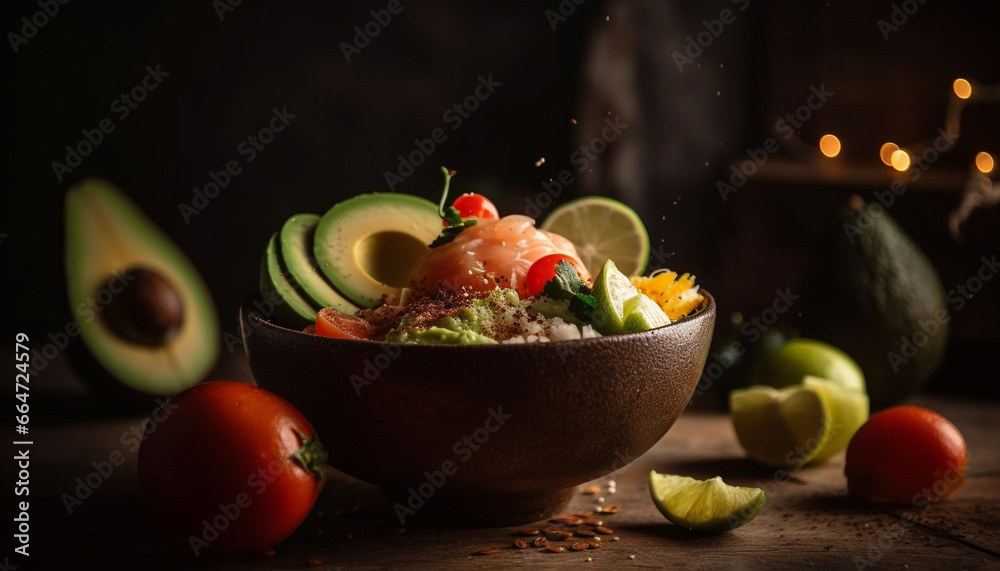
(808, 521)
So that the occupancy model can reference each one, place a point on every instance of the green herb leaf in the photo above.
(450, 215)
(565, 284)
(582, 306)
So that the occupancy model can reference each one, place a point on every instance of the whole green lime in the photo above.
(799, 358)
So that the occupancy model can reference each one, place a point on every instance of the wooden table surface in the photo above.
(807, 521)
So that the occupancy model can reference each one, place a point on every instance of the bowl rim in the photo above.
(704, 311)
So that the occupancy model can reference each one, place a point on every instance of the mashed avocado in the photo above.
(472, 321)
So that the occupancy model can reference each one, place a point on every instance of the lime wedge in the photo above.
(781, 427)
(704, 505)
(848, 409)
(611, 290)
(602, 229)
(642, 314)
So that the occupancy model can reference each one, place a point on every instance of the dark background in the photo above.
(610, 57)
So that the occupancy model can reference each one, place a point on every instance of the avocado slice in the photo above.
(291, 307)
(297, 237)
(143, 311)
(367, 245)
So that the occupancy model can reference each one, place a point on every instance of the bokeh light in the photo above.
(962, 87)
(885, 153)
(984, 162)
(829, 145)
(900, 160)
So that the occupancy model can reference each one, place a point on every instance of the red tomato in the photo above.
(542, 271)
(905, 455)
(332, 323)
(471, 205)
(230, 467)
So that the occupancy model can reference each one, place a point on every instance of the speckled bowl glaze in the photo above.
(485, 435)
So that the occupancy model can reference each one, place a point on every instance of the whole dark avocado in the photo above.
(872, 292)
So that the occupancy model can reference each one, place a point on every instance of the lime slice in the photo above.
(800, 357)
(848, 409)
(704, 505)
(611, 290)
(642, 314)
(781, 427)
(602, 229)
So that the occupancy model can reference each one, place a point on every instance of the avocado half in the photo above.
(146, 318)
(873, 293)
(367, 245)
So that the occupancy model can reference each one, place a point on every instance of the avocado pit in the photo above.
(148, 311)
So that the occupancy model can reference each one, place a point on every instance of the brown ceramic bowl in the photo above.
(483, 435)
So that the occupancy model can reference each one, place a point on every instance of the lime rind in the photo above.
(849, 410)
(704, 505)
(642, 313)
(611, 290)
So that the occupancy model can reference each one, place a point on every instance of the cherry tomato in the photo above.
(332, 323)
(471, 205)
(905, 455)
(542, 271)
(227, 466)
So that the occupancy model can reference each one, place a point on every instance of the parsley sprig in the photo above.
(450, 215)
(567, 285)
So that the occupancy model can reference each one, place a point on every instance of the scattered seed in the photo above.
(583, 514)
(591, 490)
(555, 548)
(586, 532)
(488, 551)
(604, 530)
(597, 538)
(612, 509)
(589, 559)
(557, 534)
(520, 544)
(615, 538)
(582, 546)
(540, 542)
(631, 556)
(594, 544)
(592, 521)
(612, 483)
(315, 561)
(527, 532)
(567, 519)
(600, 500)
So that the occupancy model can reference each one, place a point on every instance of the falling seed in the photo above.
(607, 18)
(592, 490)
(572, 121)
(488, 551)
(540, 162)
